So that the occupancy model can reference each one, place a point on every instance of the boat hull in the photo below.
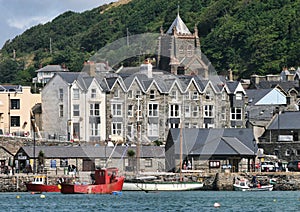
(42, 188)
(246, 188)
(162, 186)
(91, 188)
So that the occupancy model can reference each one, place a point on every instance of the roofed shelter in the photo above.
(234, 147)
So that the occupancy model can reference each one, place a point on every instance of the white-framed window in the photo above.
(130, 95)
(94, 109)
(138, 94)
(152, 94)
(209, 95)
(224, 95)
(148, 162)
(223, 113)
(130, 130)
(61, 94)
(208, 111)
(116, 93)
(187, 111)
(93, 93)
(287, 152)
(194, 125)
(116, 128)
(195, 111)
(95, 129)
(61, 111)
(195, 95)
(130, 111)
(186, 125)
(238, 96)
(76, 111)
(208, 125)
(174, 111)
(187, 96)
(152, 129)
(173, 95)
(153, 109)
(236, 113)
(75, 93)
(116, 109)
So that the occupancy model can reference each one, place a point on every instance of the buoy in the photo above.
(42, 196)
(217, 205)
(32, 193)
(274, 200)
(18, 197)
(59, 186)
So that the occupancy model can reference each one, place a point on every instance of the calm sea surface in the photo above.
(162, 201)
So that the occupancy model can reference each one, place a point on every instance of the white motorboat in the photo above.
(245, 185)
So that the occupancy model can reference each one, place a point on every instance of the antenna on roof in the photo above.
(178, 8)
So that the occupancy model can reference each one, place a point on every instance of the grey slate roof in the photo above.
(51, 68)
(287, 121)
(228, 141)
(232, 85)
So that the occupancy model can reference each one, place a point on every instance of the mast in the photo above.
(180, 168)
(138, 129)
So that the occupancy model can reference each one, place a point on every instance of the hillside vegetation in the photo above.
(248, 36)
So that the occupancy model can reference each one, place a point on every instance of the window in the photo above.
(236, 113)
(223, 113)
(152, 94)
(148, 162)
(138, 94)
(152, 129)
(116, 128)
(194, 125)
(95, 129)
(186, 125)
(195, 95)
(15, 104)
(224, 95)
(287, 152)
(208, 111)
(187, 111)
(116, 109)
(64, 162)
(130, 96)
(181, 49)
(189, 50)
(61, 94)
(187, 96)
(208, 125)
(53, 163)
(238, 96)
(76, 130)
(174, 111)
(93, 93)
(61, 111)
(153, 110)
(75, 93)
(116, 94)
(130, 130)
(15, 121)
(195, 111)
(130, 111)
(76, 110)
(173, 94)
(94, 109)
(209, 95)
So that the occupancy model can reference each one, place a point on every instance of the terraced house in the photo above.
(178, 89)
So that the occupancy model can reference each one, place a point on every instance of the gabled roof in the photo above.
(272, 96)
(287, 121)
(70, 77)
(227, 141)
(51, 68)
(180, 26)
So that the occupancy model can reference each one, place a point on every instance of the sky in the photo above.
(16, 16)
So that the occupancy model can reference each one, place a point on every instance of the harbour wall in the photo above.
(284, 181)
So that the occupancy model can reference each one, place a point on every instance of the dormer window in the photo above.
(195, 95)
(152, 94)
(93, 94)
(174, 95)
(130, 96)
(116, 94)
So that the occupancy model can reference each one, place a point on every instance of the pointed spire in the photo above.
(180, 26)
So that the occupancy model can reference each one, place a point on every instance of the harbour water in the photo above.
(161, 201)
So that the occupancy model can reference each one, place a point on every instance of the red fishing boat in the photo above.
(40, 184)
(106, 181)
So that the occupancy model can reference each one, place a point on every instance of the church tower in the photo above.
(179, 50)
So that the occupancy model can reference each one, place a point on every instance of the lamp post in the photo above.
(33, 125)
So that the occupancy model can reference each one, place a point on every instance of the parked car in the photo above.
(267, 166)
(293, 165)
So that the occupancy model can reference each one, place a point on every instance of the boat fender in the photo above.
(59, 186)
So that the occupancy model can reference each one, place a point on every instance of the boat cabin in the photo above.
(39, 179)
(105, 175)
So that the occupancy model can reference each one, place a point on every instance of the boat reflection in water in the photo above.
(106, 181)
